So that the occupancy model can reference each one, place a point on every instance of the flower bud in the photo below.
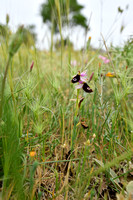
(31, 67)
(7, 19)
(91, 76)
(87, 143)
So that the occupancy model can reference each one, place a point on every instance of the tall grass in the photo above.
(44, 149)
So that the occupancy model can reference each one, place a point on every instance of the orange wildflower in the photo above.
(32, 153)
(110, 74)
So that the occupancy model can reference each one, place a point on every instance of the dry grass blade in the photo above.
(65, 182)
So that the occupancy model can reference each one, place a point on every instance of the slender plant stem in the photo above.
(3, 85)
(11, 88)
(76, 113)
(110, 58)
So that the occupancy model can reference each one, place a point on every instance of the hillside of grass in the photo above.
(59, 142)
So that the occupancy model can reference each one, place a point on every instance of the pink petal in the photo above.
(83, 79)
(83, 74)
(79, 86)
(81, 82)
(73, 63)
(105, 60)
(102, 57)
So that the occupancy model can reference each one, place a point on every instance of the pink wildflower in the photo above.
(73, 63)
(105, 60)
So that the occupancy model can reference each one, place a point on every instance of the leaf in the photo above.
(120, 197)
(129, 188)
(111, 172)
(114, 175)
(99, 162)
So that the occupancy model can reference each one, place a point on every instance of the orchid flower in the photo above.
(81, 79)
(105, 60)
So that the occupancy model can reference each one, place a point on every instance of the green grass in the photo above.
(40, 113)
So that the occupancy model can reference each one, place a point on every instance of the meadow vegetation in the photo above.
(58, 142)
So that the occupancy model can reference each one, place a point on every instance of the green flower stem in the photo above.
(76, 113)
(76, 120)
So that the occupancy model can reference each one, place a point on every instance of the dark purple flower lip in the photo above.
(86, 88)
(80, 77)
(76, 79)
